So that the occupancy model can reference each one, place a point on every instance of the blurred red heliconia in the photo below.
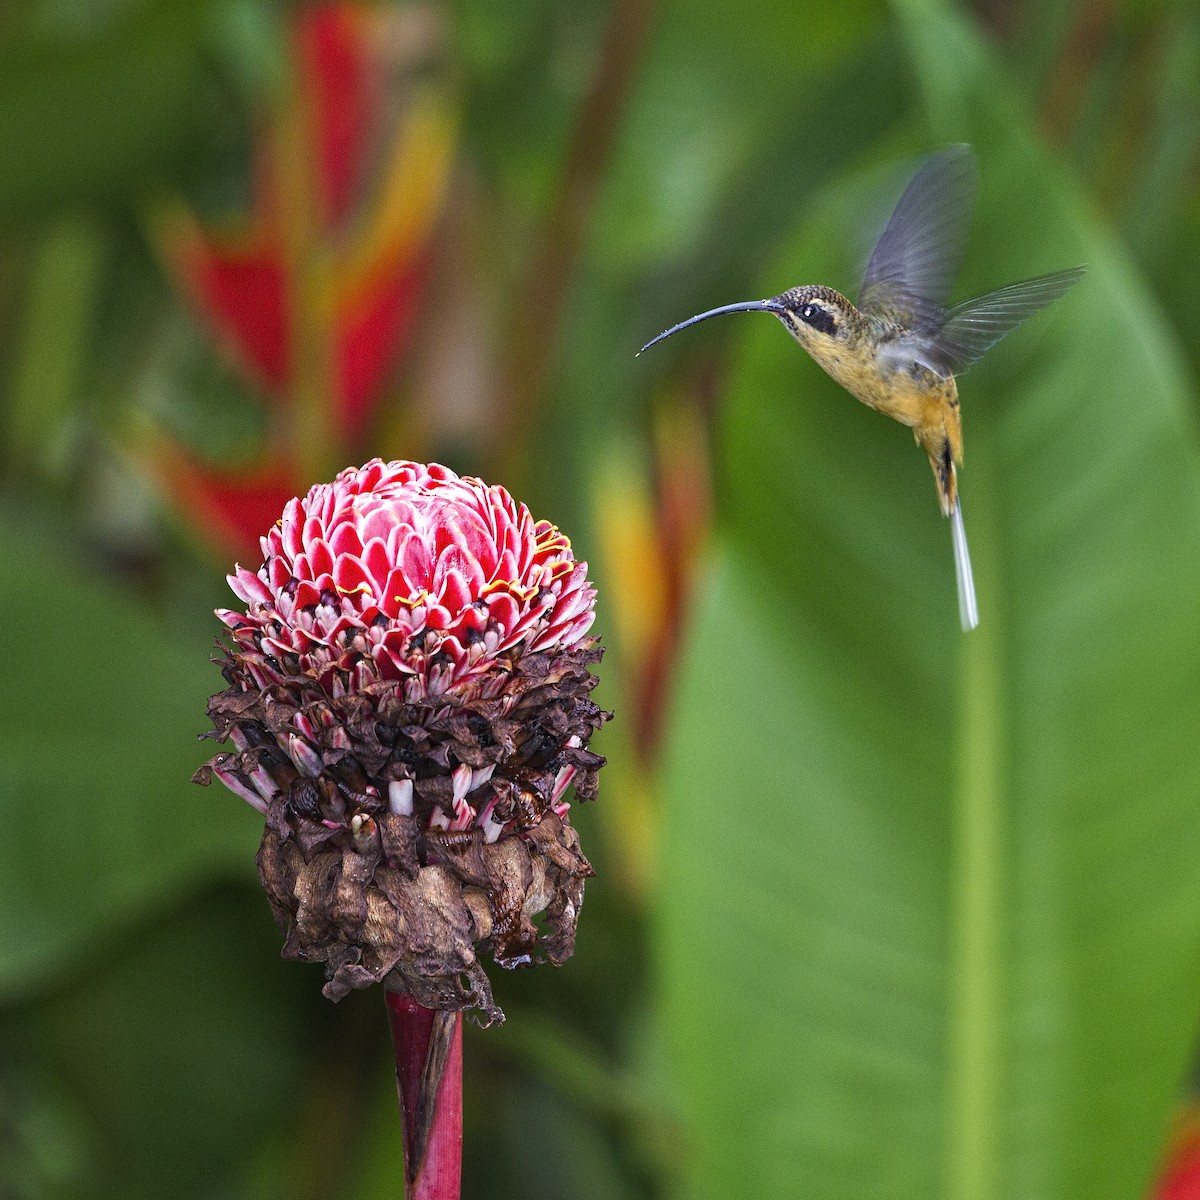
(313, 288)
(1180, 1176)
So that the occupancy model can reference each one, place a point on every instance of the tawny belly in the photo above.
(919, 403)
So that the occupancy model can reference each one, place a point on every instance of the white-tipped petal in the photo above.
(238, 788)
(266, 787)
(492, 829)
(561, 782)
(400, 797)
(461, 780)
(307, 760)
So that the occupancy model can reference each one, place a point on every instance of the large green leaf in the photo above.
(683, 221)
(99, 713)
(930, 922)
(156, 1069)
(94, 115)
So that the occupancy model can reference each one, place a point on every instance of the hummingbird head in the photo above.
(819, 318)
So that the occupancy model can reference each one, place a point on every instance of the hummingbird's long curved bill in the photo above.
(770, 306)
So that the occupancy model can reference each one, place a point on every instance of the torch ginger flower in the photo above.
(408, 702)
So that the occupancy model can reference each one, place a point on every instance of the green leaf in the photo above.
(64, 285)
(163, 1064)
(700, 195)
(930, 922)
(99, 716)
(101, 109)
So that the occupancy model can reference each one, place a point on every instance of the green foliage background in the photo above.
(925, 918)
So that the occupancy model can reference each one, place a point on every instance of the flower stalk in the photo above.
(408, 704)
(428, 1046)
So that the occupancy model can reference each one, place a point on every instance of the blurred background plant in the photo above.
(880, 911)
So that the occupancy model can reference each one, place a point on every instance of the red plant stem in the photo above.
(429, 1082)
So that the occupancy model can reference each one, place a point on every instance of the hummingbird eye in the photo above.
(819, 317)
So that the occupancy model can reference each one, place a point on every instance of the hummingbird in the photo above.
(900, 348)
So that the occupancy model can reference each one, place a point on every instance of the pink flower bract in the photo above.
(399, 571)
(408, 701)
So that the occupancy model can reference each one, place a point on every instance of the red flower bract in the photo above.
(398, 571)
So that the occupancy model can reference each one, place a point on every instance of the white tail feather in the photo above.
(967, 609)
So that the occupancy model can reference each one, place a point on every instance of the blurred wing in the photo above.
(976, 325)
(912, 267)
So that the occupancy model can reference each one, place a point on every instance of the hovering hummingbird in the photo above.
(900, 349)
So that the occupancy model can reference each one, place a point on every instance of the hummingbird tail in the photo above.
(967, 608)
